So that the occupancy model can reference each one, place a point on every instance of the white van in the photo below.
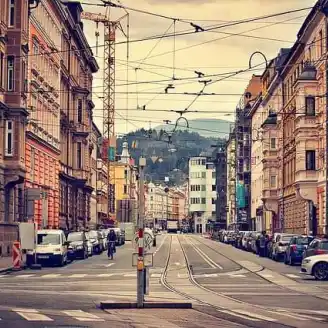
(51, 248)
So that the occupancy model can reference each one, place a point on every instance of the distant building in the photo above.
(231, 180)
(202, 192)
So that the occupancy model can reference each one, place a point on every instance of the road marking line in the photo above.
(109, 265)
(290, 275)
(321, 312)
(25, 276)
(82, 316)
(294, 316)
(51, 275)
(236, 275)
(32, 315)
(310, 317)
(212, 275)
(238, 315)
(105, 275)
(177, 263)
(266, 275)
(130, 275)
(255, 315)
(183, 275)
(77, 275)
(205, 257)
(155, 275)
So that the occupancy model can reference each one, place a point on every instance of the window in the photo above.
(320, 43)
(24, 81)
(11, 18)
(79, 110)
(273, 143)
(213, 187)
(273, 181)
(310, 160)
(203, 175)
(79, 155)
(1, 69)
(9, 150)
(203, 187)
(32, 164)
(125, 174)
(203, 201)
(310, 106)
(125, 189)
(213, 200)
(213, 174)
(10, 73)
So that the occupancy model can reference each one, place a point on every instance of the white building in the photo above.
(158, 205)
(202, 192)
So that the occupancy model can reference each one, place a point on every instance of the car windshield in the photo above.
(324, 244)
(48, 239)
(75, 237)
(303, 240)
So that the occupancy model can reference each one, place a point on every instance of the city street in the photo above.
(228, 288)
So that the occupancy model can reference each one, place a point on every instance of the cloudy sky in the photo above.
(153, 63)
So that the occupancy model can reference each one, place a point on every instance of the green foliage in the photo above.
(152, 143)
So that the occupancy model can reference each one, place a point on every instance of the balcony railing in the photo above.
(305, 175)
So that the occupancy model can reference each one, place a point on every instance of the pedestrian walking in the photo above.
(262, 242)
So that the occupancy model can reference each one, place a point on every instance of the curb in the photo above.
(4, 270)
(147, 305)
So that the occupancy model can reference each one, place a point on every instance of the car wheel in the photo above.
(320, 271)
(61, 261)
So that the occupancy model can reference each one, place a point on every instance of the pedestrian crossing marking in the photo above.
(266, 275)
(290, 275)
(78, 275)
(51, 275)
(236, 276)
(156, 275)
(106, 275)
(239, 315)
(82, 316)
(254, 315)
(32, 315)
(25, 275)
(294, 316)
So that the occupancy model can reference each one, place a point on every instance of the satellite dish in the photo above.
(248, 95)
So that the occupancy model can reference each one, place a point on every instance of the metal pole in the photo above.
(140, 264)
(325, 229)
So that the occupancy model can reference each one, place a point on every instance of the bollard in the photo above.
(17, 256)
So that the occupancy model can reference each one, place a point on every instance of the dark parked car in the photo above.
(317, 247)
(295, 249)
(78, 247)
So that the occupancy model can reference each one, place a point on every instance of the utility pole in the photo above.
(140, 264)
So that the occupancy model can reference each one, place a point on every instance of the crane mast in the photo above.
(109, 140)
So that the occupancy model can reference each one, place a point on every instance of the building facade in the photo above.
(243, 153)
(220, 162)
(202, 192)
(42, 135)
(231, 180)
(14, 47)
(75, 120)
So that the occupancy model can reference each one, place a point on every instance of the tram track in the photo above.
(198, 301)
(256, 273)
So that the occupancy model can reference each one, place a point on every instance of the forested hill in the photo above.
(161, 161)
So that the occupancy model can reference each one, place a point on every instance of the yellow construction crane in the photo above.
(109, 140)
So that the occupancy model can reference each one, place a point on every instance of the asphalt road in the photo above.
(231, 288)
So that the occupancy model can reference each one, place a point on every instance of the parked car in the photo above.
(316, 266)
(95, 240)
(295, 249)
(120, 236)
(104, 240)
(77, 247)
(279, 245)
(51, 248)
(317, 247)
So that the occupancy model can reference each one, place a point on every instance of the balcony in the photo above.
(80, 129)
(306, 176)
(305, 122)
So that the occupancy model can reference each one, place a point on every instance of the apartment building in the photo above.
(231, 180)
(243, 153)
(76, 108)
(202, 192)
(42, 147)
(157, 205)
(14, 47)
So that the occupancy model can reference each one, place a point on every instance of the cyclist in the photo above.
(111, 239)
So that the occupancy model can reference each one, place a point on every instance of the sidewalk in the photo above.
(6, 263)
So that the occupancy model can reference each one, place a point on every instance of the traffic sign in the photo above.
(148, 241)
